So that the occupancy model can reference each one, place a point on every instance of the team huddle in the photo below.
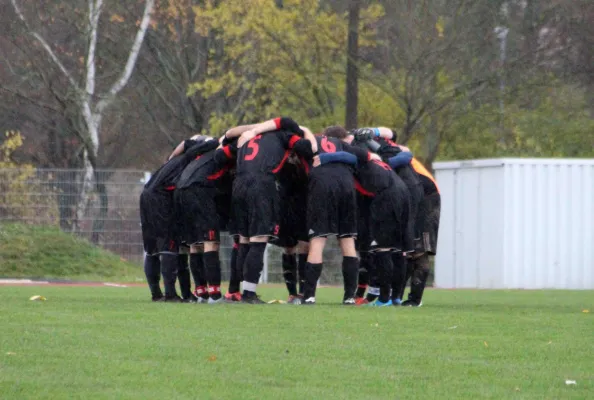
(276, 182)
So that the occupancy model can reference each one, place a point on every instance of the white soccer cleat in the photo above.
(309, 301)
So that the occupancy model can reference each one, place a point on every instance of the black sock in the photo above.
(212, 265)
(312, 275)
(290, 273)
(363, 274)
(199, 274)
(254, 262)
(399, 275)
(420, 273)
(169, 272)
(301, 261)
(234, 279)
(152, 270)
(183, 276)
(350, 274)
(242, 252)
(373, 289)
(384, 271)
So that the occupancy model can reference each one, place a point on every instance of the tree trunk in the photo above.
(99, 221)
(352, 91)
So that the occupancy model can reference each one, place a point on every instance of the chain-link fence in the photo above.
(109, 217)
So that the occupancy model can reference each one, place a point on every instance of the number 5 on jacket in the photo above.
(254, 147)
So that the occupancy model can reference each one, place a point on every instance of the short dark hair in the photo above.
(336, 132)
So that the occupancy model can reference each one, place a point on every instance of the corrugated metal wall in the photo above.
(516, 223)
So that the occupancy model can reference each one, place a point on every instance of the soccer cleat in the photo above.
(360, 301)
(217, 301)
(172, 299)
(410, 303)
(309, 301)
(252, 300)
(190, 299)
(232, 297)
(378, 303)
(349, 302)
(294, 299)
(396, 302)
(158, 298)
(202, 300)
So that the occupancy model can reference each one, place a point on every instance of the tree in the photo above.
(91, 104)
(352, 89)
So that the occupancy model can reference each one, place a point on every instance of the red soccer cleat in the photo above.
(232, 297)
(361, 301)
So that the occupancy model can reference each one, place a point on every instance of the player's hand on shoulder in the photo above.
(316, 161)
(374, 156)
(246, 137)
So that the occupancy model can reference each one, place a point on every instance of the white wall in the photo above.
(516, 223)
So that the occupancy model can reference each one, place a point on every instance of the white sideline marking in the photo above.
(21, 282)
(114, 284)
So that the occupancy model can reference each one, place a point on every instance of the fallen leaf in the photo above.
(453, 327)
(485, 343)
(517, 389)
(10, 353)
(40, 298)
(585, 311)
(550, 342)
(568, 382)
(212, 358)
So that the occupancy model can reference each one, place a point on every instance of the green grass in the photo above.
(112, 343)
(28, 251)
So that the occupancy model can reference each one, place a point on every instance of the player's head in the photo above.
(338, 132)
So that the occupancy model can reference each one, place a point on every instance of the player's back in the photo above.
(166, 175)
(331, 171)
(264, 154)
(198, 170)
(376, 176)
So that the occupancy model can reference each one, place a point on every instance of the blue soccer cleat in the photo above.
(378, 303)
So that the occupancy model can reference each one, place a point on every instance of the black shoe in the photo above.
(158, 298)
(410, 303)
(252, 299)
(172, 299)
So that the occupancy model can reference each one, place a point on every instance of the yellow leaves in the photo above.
(439, 26)
(117, 18)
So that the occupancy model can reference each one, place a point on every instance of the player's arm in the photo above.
(284, 123)
(201, 148)
(226, 153)
(364, 134)
(363, 156)
(183, 146)
(400, 159)
(311, 138)
(338, 157)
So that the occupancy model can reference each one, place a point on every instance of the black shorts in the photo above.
(157, 218)
(256, 205)
(198, 219)
(388, 220)
(363, 232)
(223, 205)
(428, 224)
(293, 225)
(332, 206)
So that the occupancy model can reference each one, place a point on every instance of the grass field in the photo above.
(112, 343)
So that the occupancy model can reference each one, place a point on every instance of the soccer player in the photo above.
(386, 218)
(158, 221)
(199, 187)
(292, 236)
(256, 201)
(426, 246)
(331, 211)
